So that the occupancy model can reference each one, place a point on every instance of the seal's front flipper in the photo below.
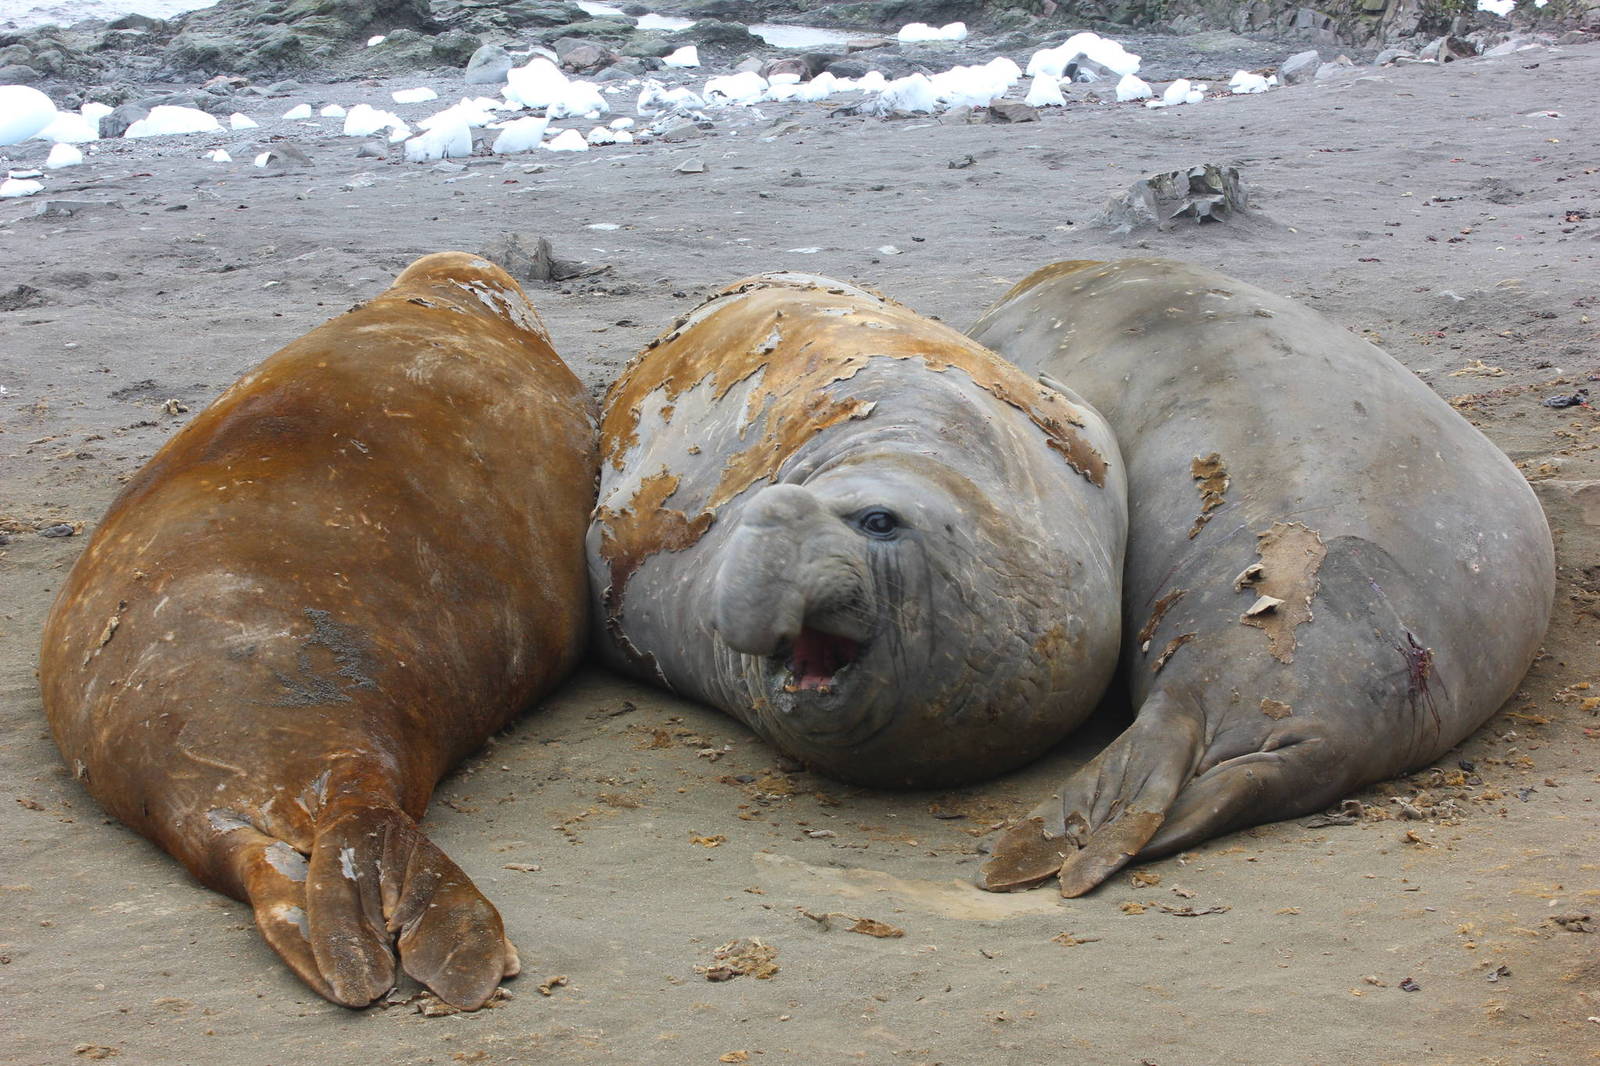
(1106, 812)
(373, 875)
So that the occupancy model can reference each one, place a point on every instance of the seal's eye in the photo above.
(878, 523)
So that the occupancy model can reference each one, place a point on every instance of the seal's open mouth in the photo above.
(816, 659)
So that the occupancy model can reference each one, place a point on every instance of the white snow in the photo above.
(579, 99)
(166, 120)
(447, 140)
(520, 135)
(912, 93)
(1176, 93)
(478, 112)
(600, 136)
(1045, 92)
(332, 111)
(1245, 82)
(1133, 87)
(569, 141)
(917, 32)
(537, 84)
(13, 187)
(621, 123)
(219, 156)
(655, 98)
(1090, 46)
(63, 155)
(687, 56)
(413, 96)
(24, 111)
(1497, 7)
(241, 122)
(263, 159)
(377, 39)
(298, 111)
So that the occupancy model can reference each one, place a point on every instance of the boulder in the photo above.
(489, 65)
(1301, 67)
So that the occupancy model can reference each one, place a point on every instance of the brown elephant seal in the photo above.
(359, 562)
(866, 537)
(1332, 577)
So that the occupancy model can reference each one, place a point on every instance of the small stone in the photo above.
(1012, 111)
(691, 166)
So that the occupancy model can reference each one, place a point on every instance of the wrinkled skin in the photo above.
(1332, 577)
(860, 533)
(330, 586)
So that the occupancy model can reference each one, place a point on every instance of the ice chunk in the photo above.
(569, 141)
(70, 128)
(237, 121)
(445, 141)
(166, 120)
(376, 39)
(365, 120)
(1133, 87)
(1497, 7)
(520, 135)
(687, 56)
(63, 155)
(917, 32)
(1045, 92)
(1177, 93)
(219, 156)
(24, 111)
(600, 136)
(332, 111)
(621, 123)
(298, 111)
(746, 87)
(581, 98)
(655, 98)
(537, 84)
(413, 96)
(1083, 46)
(13, 187)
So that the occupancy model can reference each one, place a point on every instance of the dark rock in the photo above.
(623, 69)
(648, 46)
(117, 123)
(283, 154)
(1001, 110)
(713, 9)
(18, 74)
(1205, 193)
(605, 29)
(787, 65)
(489, 65)
(1299, 68)
(285, 87)
(142, 23)
(528, 257)
(21, 298)
(541, 13)
(15, 53)
(719, 35)
(454, 47)
(59, 529)
(580, 57)
(848, 68)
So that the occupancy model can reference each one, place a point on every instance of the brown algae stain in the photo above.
(1211, 477)
(1163, 605)
(1275, 710)
(1291, 555)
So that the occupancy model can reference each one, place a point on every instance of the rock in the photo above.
(787, 65)
(142, 23)
(528, 257)
(719, 35)
(541, 13)
(580, 56)
(623, 69)
(489, 65)
(648, 46)
(224, 84)
(1390, 55)
(19, 74)
(15, 53)
(1205, 193)
(848, 68)
(750, 65)
(1448, 49)
(1300, 67)
(1342, 67)
(117, 123)
(691, 166)
(454, 47)
(372, 150)
(1001, 110)
(683, 131)
(713, 9)
(283, 154)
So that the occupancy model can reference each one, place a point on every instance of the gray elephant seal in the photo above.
(1332, 577)
(875, 543)
(335, 582)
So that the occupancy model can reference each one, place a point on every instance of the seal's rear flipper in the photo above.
(273, 876)
(1110, 809)
(374, 874)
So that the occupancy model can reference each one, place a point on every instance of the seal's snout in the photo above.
(793, 581)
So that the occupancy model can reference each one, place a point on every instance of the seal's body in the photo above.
(335, 582)
(1332, 577)
(865, 536)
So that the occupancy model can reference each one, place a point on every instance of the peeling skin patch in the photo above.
(347, 862)
(1163, 605)
(226, 821)
(287, 861)
(1275, 710)
(1211, 475)
(1172, 646)
(1291, 555)
(789, 400)
(644, 526)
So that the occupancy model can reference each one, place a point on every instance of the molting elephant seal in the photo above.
(335, 582)
(872, 541)
(1332, 577)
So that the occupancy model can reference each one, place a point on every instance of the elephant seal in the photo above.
(1332, 577)
(855, 530)
(335, 582)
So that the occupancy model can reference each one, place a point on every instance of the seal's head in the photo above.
(884, 549)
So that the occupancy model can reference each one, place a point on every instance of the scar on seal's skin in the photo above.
(1211, 475)
(1163, 605)
(1172, 646)
(1291, 554)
